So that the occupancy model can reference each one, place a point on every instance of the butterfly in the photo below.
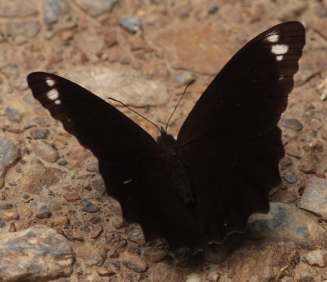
(204, 185)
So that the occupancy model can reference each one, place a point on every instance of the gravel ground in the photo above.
(56, 221)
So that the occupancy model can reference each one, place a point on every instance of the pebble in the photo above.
(184, 77)
(45, 151)
(96, 8)
(39, 133)
(12, 227)
(106, 271)
(92, 167)
(213, 9)
(59, 221)
(213, 276)
(2, 224)
(37, 176)
(45, 206)
(315, 196)
(54, 8)
(9, 155)
(6, 206)
(89, 207)
(164, 272)
(193, 277)
(117, 222)
(43, 215)
(74, 235)
(14, 114)
(292, 123)
(317, 257)
(39, 253)
(133, 261)
(291, 179)
(96, 231)
(72, 197)
(131, 24)
(93, 254)
(154, 254)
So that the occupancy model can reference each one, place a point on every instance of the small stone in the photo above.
(96, 231)
(184, 77)
(43, 215)
(292, 123)
(317, 257)
(40, 133)
(53, 8)
(5, 206)
(117, 222)
(193, 277)
(96, 8)
(291, 179)
(213, 276)
(38, 253)
(62, 162)
(92, 167)
(2, 224)
(89, 207)
(58, 221)
(9, 215)
(72, 197)
(154, 255)
(213, 9)
(106, 271)
(74, 235)
(45, 206)
(45, 151)
(131, 24)
(12, 227)
(133, 262)
(93, 254)
(24, 211)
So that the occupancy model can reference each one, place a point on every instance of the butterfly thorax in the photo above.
(170, 153)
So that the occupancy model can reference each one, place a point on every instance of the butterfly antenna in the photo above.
(191, 82)
(120, 102)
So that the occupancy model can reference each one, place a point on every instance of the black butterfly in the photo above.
(205, 185)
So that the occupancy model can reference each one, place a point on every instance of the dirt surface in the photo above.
(176, 36)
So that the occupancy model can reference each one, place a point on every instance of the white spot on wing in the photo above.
(279, 58)
(57, 102)
(127, 181)
(53, 94)
(279, 49)
(273, 38)
(50, 82)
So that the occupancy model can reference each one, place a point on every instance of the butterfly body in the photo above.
(204, 185)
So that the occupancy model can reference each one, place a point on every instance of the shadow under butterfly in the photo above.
(203, 186)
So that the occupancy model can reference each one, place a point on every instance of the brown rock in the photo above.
(93, 254)
(133, 261)
(45, 151)
(263, 261)
(317, 257)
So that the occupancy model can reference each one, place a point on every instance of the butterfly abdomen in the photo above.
(170, 154)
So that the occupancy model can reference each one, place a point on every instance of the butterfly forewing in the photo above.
(229, 145)
(98, 126)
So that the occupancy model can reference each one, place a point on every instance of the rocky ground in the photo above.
(56, 221)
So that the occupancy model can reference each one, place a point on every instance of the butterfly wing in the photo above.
(230, 143)
(129, 161)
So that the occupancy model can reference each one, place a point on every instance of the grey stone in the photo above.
(184, 77)
(9, 154)
(53, 8)
(131, 24)
(35, 254)
(292, 179)
(286, 222)
(292, 123)
(45, 206)
(89, 207)
(130, 88)
(45, 151)
(39, 133)
(315, 196)
(96, 8)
